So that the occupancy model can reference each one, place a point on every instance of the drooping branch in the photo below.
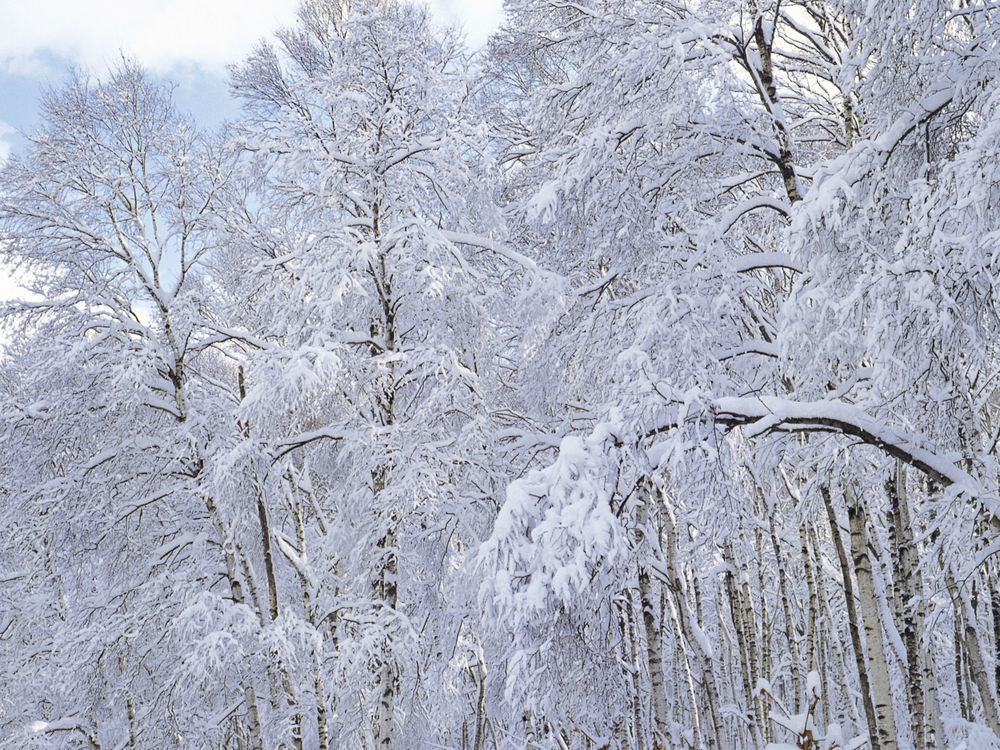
(762, 414)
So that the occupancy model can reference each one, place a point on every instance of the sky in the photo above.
(188, 41)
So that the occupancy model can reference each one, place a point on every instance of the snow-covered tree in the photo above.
(364, 247)
(110, 400)
(628, 384)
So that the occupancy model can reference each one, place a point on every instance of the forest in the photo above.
(630, 383)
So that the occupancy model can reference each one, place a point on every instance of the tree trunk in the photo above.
(709, 707)
(763, 79)
(130, 705)
(995, 611)
(786, 607)
(310, 613)
(852, 620)
(823, 621)
(385, 407)
(908, 590)
(630, 622)
(264, 530)
(765, 642)
(963, 704)
(878, 668)
(746, 649)
(814, 648)
(650, 593)
(967, 637)
(480, 738)
(385, 730)
(236, 592)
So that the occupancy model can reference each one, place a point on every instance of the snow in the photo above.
(544, 204)
(755, 261)
(813, 685)
(930, 103)
(770, 412)
(703, 643)
(505, 365)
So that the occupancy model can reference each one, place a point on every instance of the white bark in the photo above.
(650, 593)
(908, 594)
(967, 637)
(877, 665)
(853, 621)
(707, 709)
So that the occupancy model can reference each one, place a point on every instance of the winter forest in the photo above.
(630, 383)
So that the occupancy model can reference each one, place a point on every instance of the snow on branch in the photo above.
(494, 246)
(556, 531)
(848, 169)
(764, 348)
(762, 414)
(756, 261)
(728, 219)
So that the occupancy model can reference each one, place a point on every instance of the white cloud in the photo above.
(160, 33)
(163, 34)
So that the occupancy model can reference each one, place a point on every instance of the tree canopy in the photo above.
(629, 383)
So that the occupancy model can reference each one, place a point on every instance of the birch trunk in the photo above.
(786, 608)
(658, 682)
(385, 398)
(639, 726)
(310, 613)
(709, 707)
(746, 650)
(236, 592)
(130, 705)
(480, 738)
(650, 593)
(763, 79)
(765, 644)
(995, 611)
(852, 620)
(264, 530)
(908, 591)
(878, 668)
(385, 731)
(823, 621)
(963, 704)
(686, 677)
(813, 647)
(967, 637)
